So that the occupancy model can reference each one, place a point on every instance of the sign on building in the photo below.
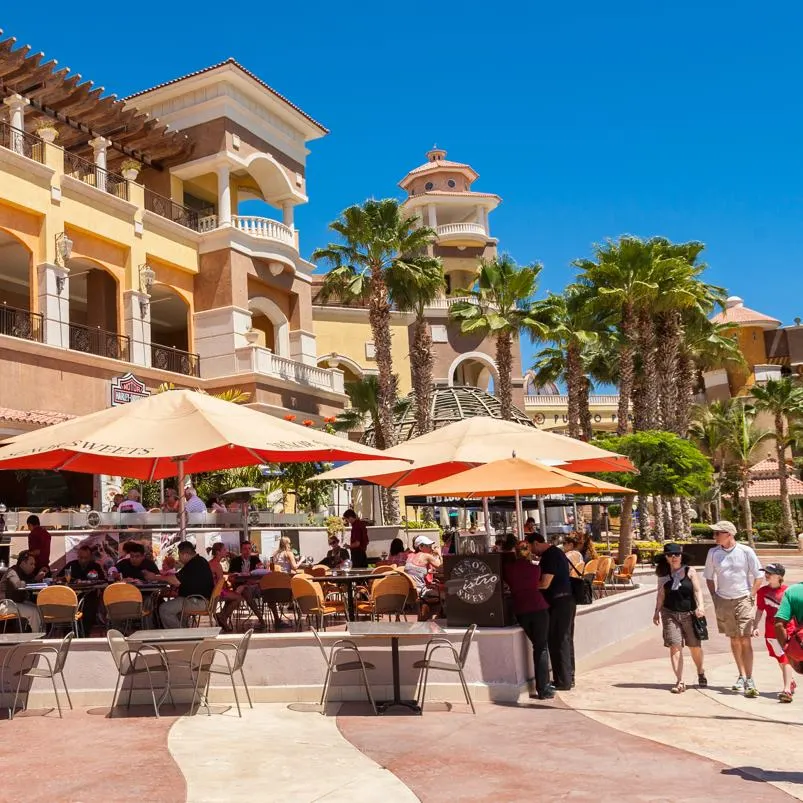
(127, 388)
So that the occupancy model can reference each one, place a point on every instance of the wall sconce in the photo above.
(63, 253)
(143, 308)
(147, 275)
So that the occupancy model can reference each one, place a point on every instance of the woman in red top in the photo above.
(768, 600)
(522, 577)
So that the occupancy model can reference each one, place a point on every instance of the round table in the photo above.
(349, 579)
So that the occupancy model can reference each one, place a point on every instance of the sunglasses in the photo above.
(674, 555)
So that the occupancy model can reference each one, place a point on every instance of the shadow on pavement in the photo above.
(765, 776)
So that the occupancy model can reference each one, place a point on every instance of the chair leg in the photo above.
(245, 686)
(465, 691)
(195, 695)
(424, 689)
(368, 688)
(56, 692)
(66, 690)
(236, 698)
(325, 689)
(13, 709)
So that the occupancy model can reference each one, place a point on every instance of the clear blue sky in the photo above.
(590, 119)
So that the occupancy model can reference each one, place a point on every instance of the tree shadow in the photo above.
(757, 775)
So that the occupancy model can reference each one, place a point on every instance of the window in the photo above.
(448, 280)
(438, 332)
(428, 186)
(452, 183)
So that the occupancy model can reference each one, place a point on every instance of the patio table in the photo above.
(394, 631)
(349, 579)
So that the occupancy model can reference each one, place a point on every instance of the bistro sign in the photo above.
(127, 388)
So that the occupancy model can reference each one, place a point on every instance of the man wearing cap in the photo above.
(789, 626)
(733, 575)
(768, 601)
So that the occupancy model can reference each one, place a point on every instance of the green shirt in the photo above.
(792, 605)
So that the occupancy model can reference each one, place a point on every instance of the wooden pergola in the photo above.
(83, 112)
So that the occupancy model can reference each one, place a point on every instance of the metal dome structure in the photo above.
(449, 404)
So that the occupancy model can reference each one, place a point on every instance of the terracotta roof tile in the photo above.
(767, 466)
(738, 313)
(40, 417)
(239, 66)
(771, 488)
(439, 163)
(447, 192)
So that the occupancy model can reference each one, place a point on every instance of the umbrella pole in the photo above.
(487, 513)
(182, 513)
(519, 517)
(542, 516)
(574, 509)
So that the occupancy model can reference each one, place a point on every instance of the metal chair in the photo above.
(624, 572)
(58, 607)
(194, 607)
(49, 671)
(11, 614)
(133, 662)
(334, 665)
(205, 662)
(124, 605)
(441, 643)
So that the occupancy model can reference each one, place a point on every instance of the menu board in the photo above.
(474, 590)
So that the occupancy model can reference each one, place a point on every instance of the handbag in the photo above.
(700, 626)
(582, 590)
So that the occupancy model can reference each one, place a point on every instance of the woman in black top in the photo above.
(679, 598)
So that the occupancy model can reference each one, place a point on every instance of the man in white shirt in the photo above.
(733, 574)
(194, 504)
(132, 503)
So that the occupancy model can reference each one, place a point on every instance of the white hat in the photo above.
(423, 540)
(724, 527)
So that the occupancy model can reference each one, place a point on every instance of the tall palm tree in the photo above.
(413, 290)
(364, 409)
(709, 429)
(500, 306)
(783, 399)
(376, 238)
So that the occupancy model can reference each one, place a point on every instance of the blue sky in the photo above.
(590, 119)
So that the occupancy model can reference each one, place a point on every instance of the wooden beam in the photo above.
(13, 60)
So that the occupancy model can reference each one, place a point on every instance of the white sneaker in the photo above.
(739, 685)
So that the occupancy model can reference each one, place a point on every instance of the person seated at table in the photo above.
(217, 505)
(420, 566)
(232, 597)
(336, 554)
(117, 500)
(245, 562)
(283, 557)
(171, 503)
(193, 503)
(85, 569)
(398, 554)
(132, 568)
(12, 587)
(168, 565)
(193, 579)
(132, 503)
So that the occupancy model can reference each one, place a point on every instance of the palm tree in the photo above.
(377, 237)
(500, 306)
(709, 428)
(413, 290)
(783, 399)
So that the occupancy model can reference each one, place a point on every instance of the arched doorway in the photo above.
(170, 335)
(16, 290)
(269, 320)
(474, 369)
(93, 299)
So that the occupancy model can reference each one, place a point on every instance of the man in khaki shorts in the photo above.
(733, 575)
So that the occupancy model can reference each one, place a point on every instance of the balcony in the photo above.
(258, 360)
(22, 143)
(464, 232)
(89, 173)
(167, 208)
(167, 358)
(20, 323)
(94, 340)
(449, 301)
(556, 400)
(263, 228)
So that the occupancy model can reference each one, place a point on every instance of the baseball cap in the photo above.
(724, 527)
(775, 568)
(673, 549)
(423, 540)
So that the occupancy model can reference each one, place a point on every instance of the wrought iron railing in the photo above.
(94, 340)
(20, 323)
(167, 208)
(168, 358)
(22, 142)
(95, 176)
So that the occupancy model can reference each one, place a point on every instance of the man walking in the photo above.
(733, 575)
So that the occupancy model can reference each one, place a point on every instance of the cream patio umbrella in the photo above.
(170, 434)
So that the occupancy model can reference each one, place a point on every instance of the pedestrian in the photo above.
(679, 598)
(768, 602)
(789, 627)
(358, 543)
(733, 575)
(556, 586)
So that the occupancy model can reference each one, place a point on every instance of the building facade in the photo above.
(123, 250)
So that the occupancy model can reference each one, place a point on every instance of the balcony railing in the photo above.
(94, 340)
(168, 358)
(448, 301)
(20, 323)
(263, 228)
(95, 176)
(456, 229)
(263, 361)
(22, 143)
(167, 208)
(555, 400)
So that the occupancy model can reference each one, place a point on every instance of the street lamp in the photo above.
(63, 253)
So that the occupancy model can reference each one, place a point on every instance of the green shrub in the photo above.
(421, 525)
(701, 530)
(767, 510)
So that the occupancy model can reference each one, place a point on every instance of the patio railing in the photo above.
(22, 142)
(168, 358)
(94, 340)
(168, 208)
(21, 323)
(95, 176)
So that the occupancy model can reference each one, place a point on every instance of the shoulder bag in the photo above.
(582, 590)
(700, 627)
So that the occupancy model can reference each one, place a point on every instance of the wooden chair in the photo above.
(58, 606)
(600, 580)
(124, 606)
(624, 573)
(309, 599)
(275, 589)
(388, 597)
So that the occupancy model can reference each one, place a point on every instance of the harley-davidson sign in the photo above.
(127, 388)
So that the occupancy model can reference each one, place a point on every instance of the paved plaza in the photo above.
(619, 735)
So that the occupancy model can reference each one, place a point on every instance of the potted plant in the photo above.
(46, 130)
(130, 169)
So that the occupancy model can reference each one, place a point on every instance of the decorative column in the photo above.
(287, 214)
(223, 196)
(54, 303)
(99, 148)
(432, 221)
(16, 104)
(137, 315)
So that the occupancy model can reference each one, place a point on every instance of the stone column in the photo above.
(303, 348)
(137, 315)
(16, 104)
(223, 196)
(54, 303)
(99, 148)
(432, 220)
(287, 214)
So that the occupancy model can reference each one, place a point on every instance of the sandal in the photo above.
(678, 688)
(702, 680)
(786, 696)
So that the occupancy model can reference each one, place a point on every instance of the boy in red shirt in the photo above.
(768, 600)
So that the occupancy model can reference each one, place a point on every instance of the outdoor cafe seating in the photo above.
(59, 608)
(337, 664)
(142, 660)
(311, 602)
(46, 662)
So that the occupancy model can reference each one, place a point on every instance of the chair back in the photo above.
(276, 587)
(382, 568)
(63, 651)
(465, 646)
(123, 601)
(390, 594)
(307, 594)
(591, 567)
(629, 566)
(604, 569)
(242, 649)
(118, 647)
(216, 592)
(57, 604)
(318, 571)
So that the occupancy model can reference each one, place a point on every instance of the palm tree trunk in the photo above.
(379, 316)
(637, 403)
(658, 509)
(596, 521)
(626, 529)
(685, 509)
(574, 379)
(643, 517)
(677, 518)
(586, 424)
(783, 476)
(649, 385)
(626, 369)
(747, 513)
(421, 359)
(666, 514)
(669, 340)
(686, 378)
(504, 365)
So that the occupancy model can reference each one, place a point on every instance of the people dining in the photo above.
(336, 555)
(12, 587)
(171, 503)
(358, 541)
(85, 569)
(38, 542)
(117, 500)
(232, 597)
(217, 505)
(420, 565)
(571, 548)
(193, 503)
(133, 566)
(132, 503)
(246, 561)
(193, 579)
(283, 557)
(398, 554)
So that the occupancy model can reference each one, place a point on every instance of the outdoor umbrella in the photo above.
(474, 441)
(171, 433)
(515, 476)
